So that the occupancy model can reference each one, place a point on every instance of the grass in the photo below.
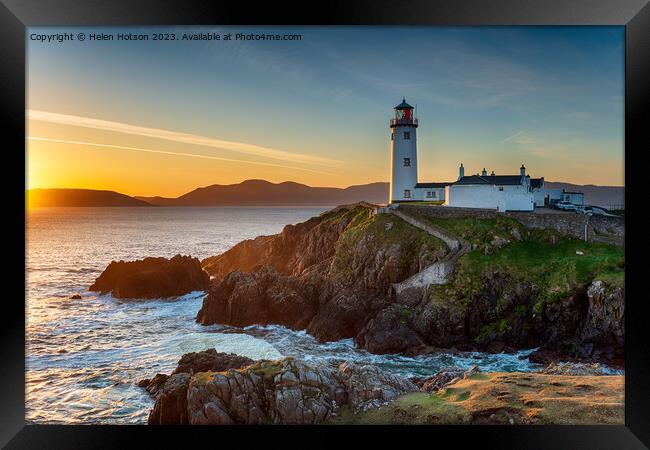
(555, 269)
(477, 231)
(505, 398)
(372, 234)
(554, 266)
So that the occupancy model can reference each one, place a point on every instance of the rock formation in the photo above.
(170, 391)
(333, 275)
(287, 391)
(152, 278)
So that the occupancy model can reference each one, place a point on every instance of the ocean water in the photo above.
(85, 356)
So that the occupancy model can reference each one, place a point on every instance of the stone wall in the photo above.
(610, 230)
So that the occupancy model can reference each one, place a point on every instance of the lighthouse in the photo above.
(403, 154)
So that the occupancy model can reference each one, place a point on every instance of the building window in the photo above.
(407, 162)
(431, 194)
(501, 188)
(407, 193)
(391, 136)
(407, 135)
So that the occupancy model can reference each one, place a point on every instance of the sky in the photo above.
(164, 117)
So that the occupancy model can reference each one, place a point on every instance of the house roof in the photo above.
(503, 180)
(536, 183)
(431, 185)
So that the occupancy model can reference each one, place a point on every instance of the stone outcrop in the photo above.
(170, 391)
(603, 330)
(152, 278)
(573, 369)
(445, 377)
(287, 391)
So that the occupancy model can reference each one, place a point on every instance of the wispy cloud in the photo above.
(519, 138)
(175, 136)
(166, 152)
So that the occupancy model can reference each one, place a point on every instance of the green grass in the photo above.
(371, 234)
(430, 202)
(477, 231)
(543, 259)
(556, 269)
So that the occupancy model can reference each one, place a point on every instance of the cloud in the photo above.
(519, 138)
(240, 147)
(166, 152)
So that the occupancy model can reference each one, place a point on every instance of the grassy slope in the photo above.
(498, 398)
(379, 232)
(542, 258)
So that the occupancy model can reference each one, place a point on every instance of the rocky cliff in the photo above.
(333, 276)
(330, 275)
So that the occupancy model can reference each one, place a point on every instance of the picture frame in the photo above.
(16, 16)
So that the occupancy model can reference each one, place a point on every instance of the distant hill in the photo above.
(605, 196)
(264, 193)
(80, 197)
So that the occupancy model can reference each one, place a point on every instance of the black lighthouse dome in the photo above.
(403, 105)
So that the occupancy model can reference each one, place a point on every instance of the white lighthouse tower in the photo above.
(403, 154)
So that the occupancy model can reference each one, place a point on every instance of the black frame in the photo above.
(16, 15)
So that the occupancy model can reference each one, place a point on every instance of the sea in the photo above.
(84, 356)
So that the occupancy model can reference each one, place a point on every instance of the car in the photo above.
(594, 210)
(565, 206)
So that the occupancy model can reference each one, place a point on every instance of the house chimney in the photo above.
(492, 173)
(484, 173)
(461, 171)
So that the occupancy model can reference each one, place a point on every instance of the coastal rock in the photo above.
(152, 278)
(210, 360)
(170, 391)
(330, 275)
(286, 391)
(573, 369)
(387, 332)
(445, 377)
(604, 325)
(171, 403)
(268, 392)
(369, 387)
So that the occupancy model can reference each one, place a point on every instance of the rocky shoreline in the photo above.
(335, 276)
(211, 388)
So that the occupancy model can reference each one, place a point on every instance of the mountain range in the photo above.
(265, 193)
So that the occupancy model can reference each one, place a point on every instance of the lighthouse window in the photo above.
(407, 193)
(407, 162)
(407, 135)
(391, 136)
(500, 188)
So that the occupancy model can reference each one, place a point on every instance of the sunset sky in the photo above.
(162, 118)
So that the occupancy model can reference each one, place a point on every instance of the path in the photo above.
(438, 272)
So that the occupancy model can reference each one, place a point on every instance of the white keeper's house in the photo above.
(517, 192)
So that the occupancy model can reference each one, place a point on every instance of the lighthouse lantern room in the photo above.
(403, 153)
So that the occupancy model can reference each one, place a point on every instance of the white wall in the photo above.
(402, 178)
(473, 196)
(511, 198)
(421, 194)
